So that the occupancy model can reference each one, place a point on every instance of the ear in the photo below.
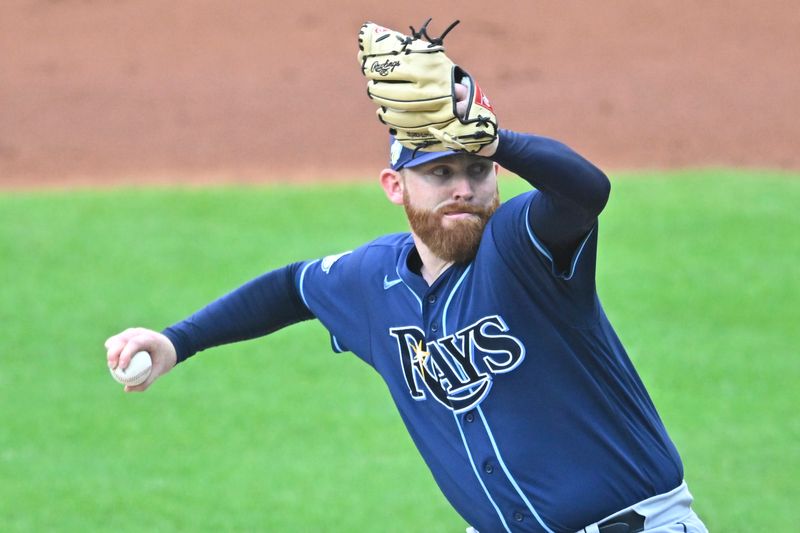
(392, 183)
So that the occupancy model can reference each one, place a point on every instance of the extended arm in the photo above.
(261, 306)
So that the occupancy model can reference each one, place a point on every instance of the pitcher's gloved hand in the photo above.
(414, 84)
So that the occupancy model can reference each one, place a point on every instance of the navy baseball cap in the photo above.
(402, 157)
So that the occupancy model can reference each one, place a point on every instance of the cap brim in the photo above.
(403, 157)
(426, 157)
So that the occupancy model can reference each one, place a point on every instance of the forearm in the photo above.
(261, 306)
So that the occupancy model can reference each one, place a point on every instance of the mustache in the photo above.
(460, 207)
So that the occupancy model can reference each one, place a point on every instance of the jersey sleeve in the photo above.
(572, 192)
(259, 307)
(569, 286)
(330, 289)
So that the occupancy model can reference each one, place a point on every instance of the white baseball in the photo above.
(137, 371)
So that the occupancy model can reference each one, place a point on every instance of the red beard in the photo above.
(459, 241)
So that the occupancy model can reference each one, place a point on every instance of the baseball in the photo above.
(137, 371)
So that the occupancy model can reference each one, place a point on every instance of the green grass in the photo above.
(697, 270)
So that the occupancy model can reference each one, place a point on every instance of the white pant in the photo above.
(670, 512)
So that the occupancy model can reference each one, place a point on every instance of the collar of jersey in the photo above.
(415, 281)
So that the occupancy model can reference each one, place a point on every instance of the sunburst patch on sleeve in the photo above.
(328, 261)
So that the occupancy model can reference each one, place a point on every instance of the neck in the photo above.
(432, 265)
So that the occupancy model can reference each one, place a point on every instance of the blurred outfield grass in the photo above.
(698, 271)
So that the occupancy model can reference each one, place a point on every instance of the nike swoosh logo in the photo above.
(389, 284)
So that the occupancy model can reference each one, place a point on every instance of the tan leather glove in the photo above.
(413, 83)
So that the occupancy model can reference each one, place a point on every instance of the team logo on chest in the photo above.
(446, 367)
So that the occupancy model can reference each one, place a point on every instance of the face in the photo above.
(448, 203)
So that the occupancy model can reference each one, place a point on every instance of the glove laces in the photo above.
(434, 41)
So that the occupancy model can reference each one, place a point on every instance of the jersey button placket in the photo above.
(487, 466)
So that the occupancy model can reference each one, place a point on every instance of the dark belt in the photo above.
(627, 522)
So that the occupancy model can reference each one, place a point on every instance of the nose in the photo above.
(462, 188)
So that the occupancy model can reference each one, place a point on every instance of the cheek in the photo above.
(424, 198)
(488, 190)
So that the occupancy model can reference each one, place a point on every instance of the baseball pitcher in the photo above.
(483, 320)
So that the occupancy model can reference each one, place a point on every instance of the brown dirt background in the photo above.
(132, 92)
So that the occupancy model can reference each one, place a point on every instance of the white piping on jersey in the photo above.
(539, 246)
(409, 288)
(302, 279)
(336, 344)
(475, 469)
(449, 298)
(578, 254)
(488, 431)
(457, 368)
(508, 474)
(455, 415)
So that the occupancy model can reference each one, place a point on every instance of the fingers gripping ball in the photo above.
(413, 83)
(137, 371)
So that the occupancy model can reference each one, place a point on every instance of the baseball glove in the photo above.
(413, 82)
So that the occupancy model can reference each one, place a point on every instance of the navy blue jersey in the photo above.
(506, 372)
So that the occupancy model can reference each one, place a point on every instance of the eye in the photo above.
(477, 170)
(441, 171)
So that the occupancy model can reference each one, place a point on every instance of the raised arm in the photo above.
(573, 190)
